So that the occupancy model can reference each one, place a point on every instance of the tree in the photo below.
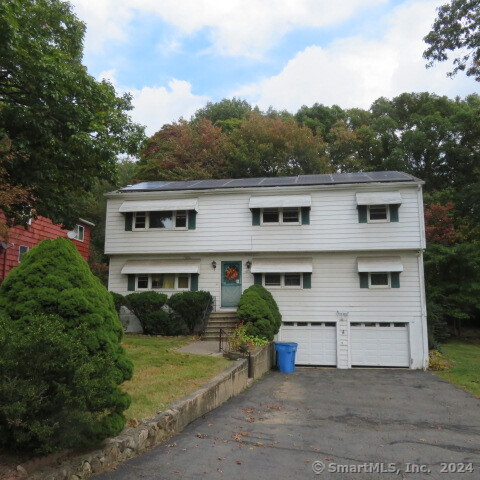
(226, 109)
(268, 147)
(65, 128)
(456, 29)
(185, 151)
(54, 282)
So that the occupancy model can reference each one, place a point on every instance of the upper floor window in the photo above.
(167, 220)
(378, 207)
(280, 216)
(79, 231)
(22, 250)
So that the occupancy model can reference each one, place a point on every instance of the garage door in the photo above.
(379, 344)
(317, 342)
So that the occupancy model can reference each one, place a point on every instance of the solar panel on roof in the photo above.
(319, 179)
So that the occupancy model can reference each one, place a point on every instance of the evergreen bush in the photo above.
(191, 308)
(68, 396)
(268, 297)
(256, 313)
(118, 301)
(148, 308)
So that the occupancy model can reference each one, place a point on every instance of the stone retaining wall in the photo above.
(150, 432)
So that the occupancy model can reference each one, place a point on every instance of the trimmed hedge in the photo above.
(191, 307)
(62, 362)
(148, 308)
(258, 310)
(118, 301)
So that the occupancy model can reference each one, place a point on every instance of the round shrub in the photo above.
(272, 304)
(54, 280)
(118, 301)
(254, 311)
(147, 307)
(191, 308)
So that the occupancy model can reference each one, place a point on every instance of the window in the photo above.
(79, 231)
(166, 220)
(379, 280)
(164, 281)
(281, 216)
(283, 280)
(22, 251)
(378, 213)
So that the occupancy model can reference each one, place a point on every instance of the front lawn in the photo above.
(464, 357)
(161, 375)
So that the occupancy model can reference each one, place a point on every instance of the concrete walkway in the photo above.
(198, 347)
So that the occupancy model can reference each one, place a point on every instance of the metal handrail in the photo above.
(222, 340)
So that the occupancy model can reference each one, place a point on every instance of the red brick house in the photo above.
(21, 240)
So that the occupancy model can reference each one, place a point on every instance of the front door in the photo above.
(231, 283)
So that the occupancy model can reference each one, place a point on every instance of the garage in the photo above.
(379, 344)
(317, 342)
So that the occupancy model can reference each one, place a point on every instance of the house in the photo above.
(21, 240)
(342, 255)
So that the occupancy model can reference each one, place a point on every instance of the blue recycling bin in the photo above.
(286, 356)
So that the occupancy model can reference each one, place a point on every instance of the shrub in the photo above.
(239, 338)
(255, 312)
(268, 297)
(54, 280)
(191, 308)
(147, 307)
(118, 301)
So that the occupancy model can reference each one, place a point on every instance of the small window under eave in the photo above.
(379, 264)
(379, 198)
(159, 205)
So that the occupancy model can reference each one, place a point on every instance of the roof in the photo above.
(299, 180)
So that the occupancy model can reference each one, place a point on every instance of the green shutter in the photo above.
(131, 283)
(257, 278)
(192, 219)
(128, 221)
(305, 215)
(255, 216)
(394, 213)
(194, 282)
(395, 279)
(307, 280)
(363, 279)
(362, 214)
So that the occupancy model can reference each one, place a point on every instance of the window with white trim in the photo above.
(22, 250)
(163, 281)
(281, 216)
(79, 231)
(378, 213)
(379, 280)
(166, 220)
(282, 280)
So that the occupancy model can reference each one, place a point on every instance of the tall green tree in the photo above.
(64, 127)
(456, 30)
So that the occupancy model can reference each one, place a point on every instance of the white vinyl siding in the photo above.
(224, 224)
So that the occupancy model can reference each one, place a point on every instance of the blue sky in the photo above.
(174, 56)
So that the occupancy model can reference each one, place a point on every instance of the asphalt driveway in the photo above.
(383, 419)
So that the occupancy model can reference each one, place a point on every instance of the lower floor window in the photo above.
(282, 279)
(164, 281)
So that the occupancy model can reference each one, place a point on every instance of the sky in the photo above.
(174, 56)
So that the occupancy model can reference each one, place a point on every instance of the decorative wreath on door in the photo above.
(231, 273)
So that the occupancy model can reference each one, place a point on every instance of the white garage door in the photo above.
(379, 344)
(317, 342)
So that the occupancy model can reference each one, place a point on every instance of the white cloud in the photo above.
(155, 106)
(355, 71)
(237, 27)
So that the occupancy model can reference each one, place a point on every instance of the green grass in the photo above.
(464, 357)
(161, 375)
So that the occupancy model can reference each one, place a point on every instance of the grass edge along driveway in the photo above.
(162, 375)
(463, 357)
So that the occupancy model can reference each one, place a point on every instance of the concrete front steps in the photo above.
(218, 320)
